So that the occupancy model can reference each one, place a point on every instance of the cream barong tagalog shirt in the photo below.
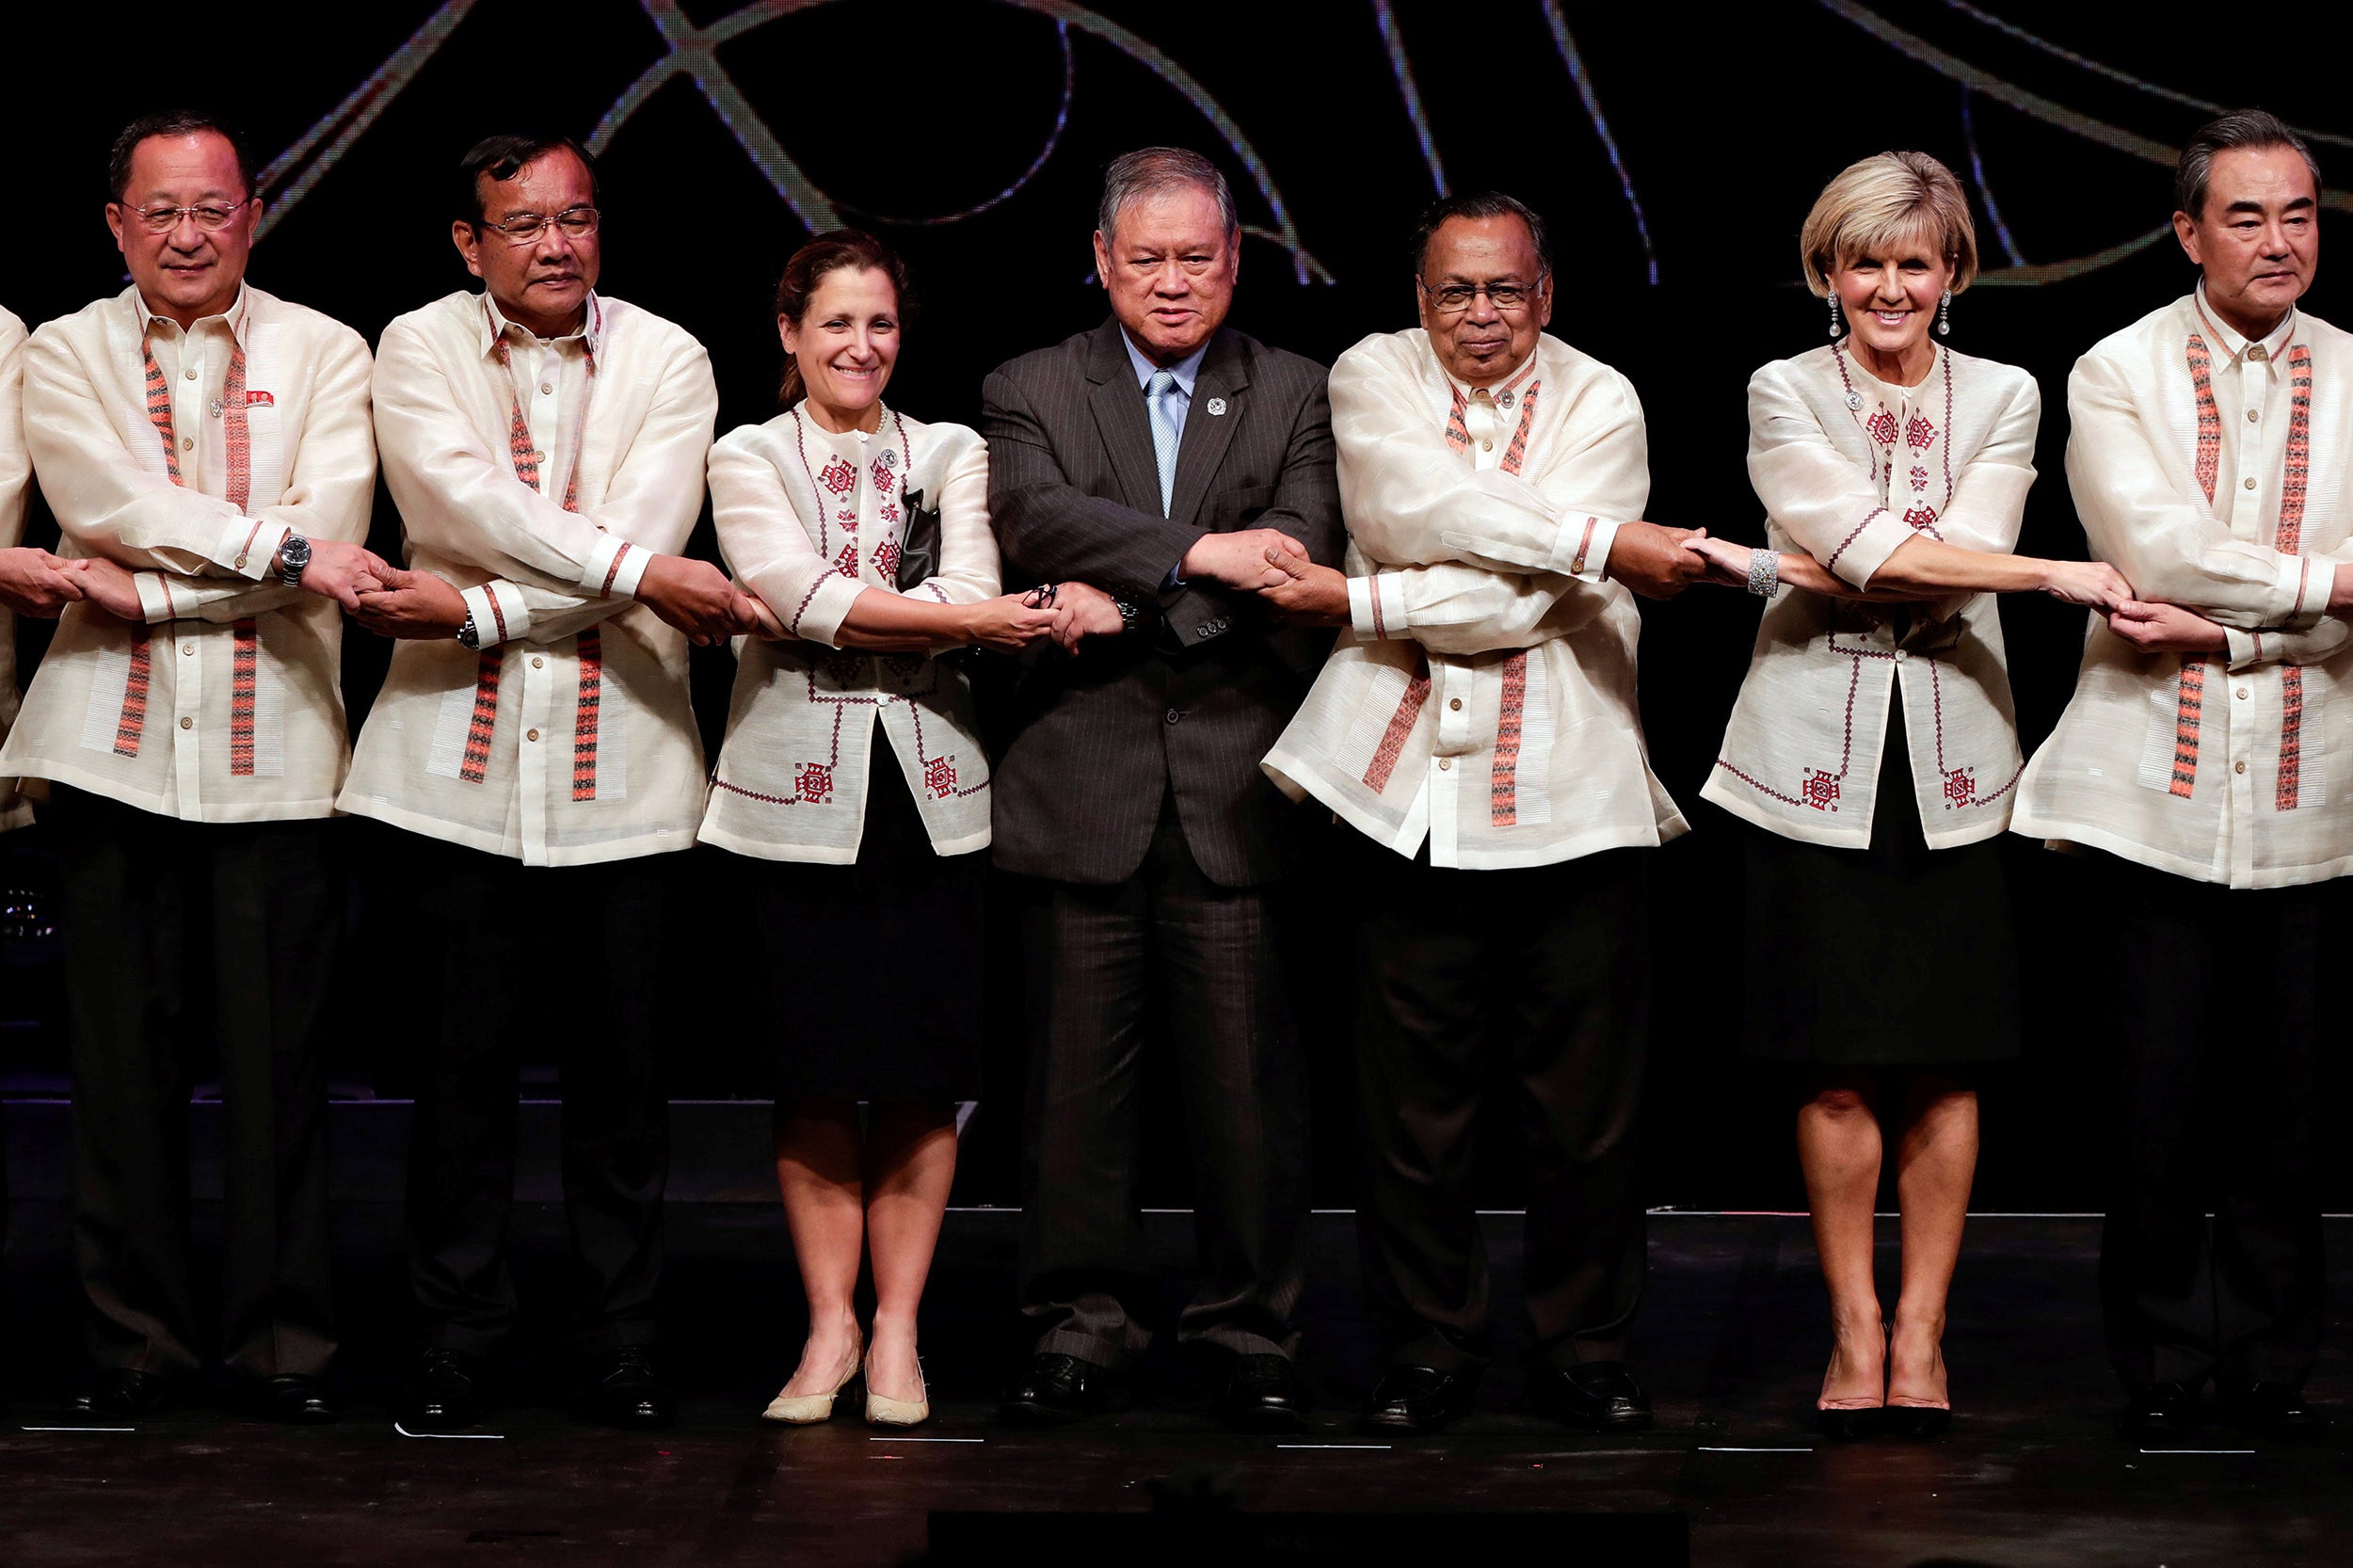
(1482, 697)
(541, 476)
(16, 476)
(808, 519)
(2211, 472)
(189, 457)
(1849, 468)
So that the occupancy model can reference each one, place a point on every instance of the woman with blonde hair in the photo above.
(1875, 748)
(853, 777)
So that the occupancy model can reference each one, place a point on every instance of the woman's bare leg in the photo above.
(819, 1162)
(910, 1165)
(1935, 1160)
(1838, 1150)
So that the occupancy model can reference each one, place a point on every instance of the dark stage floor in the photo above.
(1733, 1337)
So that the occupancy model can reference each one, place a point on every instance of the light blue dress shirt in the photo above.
(1186, 370)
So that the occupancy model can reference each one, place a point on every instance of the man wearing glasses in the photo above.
(545, 444)
(206, 448)
(1476, 725)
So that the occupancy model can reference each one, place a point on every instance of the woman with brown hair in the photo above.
(852, 774)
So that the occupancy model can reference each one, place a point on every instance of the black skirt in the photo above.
(874, 969)
(1895, 956)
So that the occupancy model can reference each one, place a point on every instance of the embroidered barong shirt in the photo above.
(16, 481)
(1849, 468)
(539, 477)
(189, 457)
(1482, 698)
(810, 518)
(2210, 470)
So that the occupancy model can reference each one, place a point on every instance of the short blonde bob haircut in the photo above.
(1882, 202)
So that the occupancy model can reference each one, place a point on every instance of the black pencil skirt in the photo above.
(874, 969)
(1895, 956)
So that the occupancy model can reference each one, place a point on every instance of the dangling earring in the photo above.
(1945, 315)
(1835, 328)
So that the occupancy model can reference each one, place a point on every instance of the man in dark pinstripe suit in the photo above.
(1147, 469)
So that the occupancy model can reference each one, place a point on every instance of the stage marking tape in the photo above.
(2199, 1450)
(927, 1440)
(1704, 1449)
(1362, 1446)
(77, 1428)
(453, 1436)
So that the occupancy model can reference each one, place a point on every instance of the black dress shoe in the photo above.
(292, 1398)
(120, 1394)
(1599, 1396)
(1262, 1393)
(1059, 1388)
(2161, 1410)
(623, 1390)
(2271, 1409)
(445, 1392)
(1419, 1398)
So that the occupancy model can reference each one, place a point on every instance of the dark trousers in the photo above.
(2215, 1025)
(541, 962)
(1501, 1004)
(1205, 957)
(165, 922)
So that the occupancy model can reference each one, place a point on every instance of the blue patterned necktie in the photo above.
(1155, 398)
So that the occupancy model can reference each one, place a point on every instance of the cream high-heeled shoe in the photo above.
(807, 1410)
(882, 1411)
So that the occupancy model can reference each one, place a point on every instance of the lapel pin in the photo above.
(1216, 406)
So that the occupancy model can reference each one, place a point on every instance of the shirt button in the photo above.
(2250, 481)
(191, 372)
(547, 389)
(1444, 764)
(2242, 693)
(188, 443)
(1455, 703)
(1174, 715)
(187, 651)
(187, 724)
(539, 664)
(2253, 416)
(531, 734)
(1486, 443)
(1901, 655)
(2238, 767)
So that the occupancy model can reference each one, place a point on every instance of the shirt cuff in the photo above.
(1375, 614)
(1876, 536)
(2315, 578)
(249, 546)
(1176, 578)
(1587, 542)
(823, 609)
(501, 615)
(154, 596)
(616, 566)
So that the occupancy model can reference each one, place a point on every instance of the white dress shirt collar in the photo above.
(2229, 344)
(496, 326)
(234, 317)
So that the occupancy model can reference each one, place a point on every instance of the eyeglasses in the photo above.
(578, 223)
(1454, 298)
(212, 216)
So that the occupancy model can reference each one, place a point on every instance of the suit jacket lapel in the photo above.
(1121, 420)
(1224, 377)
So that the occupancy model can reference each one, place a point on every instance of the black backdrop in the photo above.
(1675, 149)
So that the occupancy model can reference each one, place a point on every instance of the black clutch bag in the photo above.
(918, 547)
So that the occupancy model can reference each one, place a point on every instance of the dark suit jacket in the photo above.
(1092, 744)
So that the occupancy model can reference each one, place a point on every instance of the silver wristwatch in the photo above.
(469, 635)
(1130, 616)
(293, 555)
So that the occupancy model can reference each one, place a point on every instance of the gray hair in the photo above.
(2251, 128)
(1154, 170)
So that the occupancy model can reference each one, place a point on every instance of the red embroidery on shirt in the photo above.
(2295, 474)
(586, 713)
(243, 668)
(1400, 726)
(1503, 806)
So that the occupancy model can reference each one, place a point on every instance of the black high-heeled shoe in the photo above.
(1919, 1420)
(1851, 1424)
